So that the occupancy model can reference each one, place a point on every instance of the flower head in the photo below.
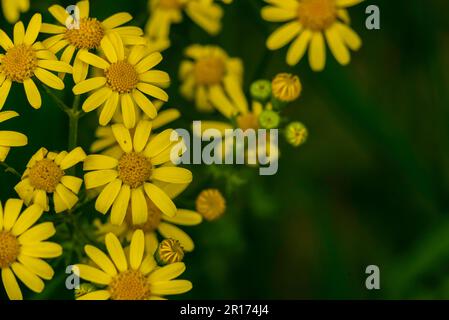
(45, 175)
(25, 59)
(169, 251)
(261, 90)
(286, 87)
(132, 275)
(296, 134)
(86, 35)
(23, 248)
(308, 24)
(126, 81)
(10, 139)
(209, 76)
(211, 204)
(13, 8)
(129, 179)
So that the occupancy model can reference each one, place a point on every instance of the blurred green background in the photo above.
(369, 187)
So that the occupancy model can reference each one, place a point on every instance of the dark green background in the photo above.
(370, 186)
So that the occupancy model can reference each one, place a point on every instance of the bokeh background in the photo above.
(369, 187)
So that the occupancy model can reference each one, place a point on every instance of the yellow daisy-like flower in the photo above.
(24, 59)
(126, 81)
(211, 204)
(45, 175)
(87, 35)
(23, 246)
(164, 13)
(158, 222)
(129, 179)
(13, 8)
(107, 144)
(10, 139)
(311, 22)
(211, 73)
(132, 275)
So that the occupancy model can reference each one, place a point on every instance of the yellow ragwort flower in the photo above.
(86, 36)
(157, 221)
(129, 179)
(45, 175)
(23, 247)
(13, 8)
(10, 139)
(210, 76)
(131, 275)
(310, 22)
(126, 81)
(286, 87)
(211, 204)
(164, 13)
(107, 144)
(24, 59)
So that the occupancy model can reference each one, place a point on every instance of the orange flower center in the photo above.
(134, 169)
(19, 63)
(317, 14)
(9, 249)
(122, 77)
(209, 71)
(129, 285)
(45, 175)
(87, 36)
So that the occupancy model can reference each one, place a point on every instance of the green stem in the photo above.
(10, 169)
(73, 124)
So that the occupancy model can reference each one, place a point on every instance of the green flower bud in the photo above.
(296, 134)
(261, 90)
(269, 119)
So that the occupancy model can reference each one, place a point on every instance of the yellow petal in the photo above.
(75, 156)
(99, 162)
(136, 249)
(138, 206)
(120, 205)
(170, 231)
(108, 196)
(116, 252)
(11, 286)
(101, 259)
(168, 272)
(99, 178)
(32, 93)
(28, 217)
(33, 29)
(11, 213)
(123, 137)
(172, 174)
(160, 199)
(141, 135)
(38, 233)
(92, 274)
(27, 277)
(171, 287)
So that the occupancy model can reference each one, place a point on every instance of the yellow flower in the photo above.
(286, 87)
(125, 81)
(87, 36)
(10, 139)
(132, 275)
(24, 59)
(107, 144)
(211, 75)
(211, 204)
(13, 8)
(157, 221)
(296, 134)
(164, 13)
(45, 175)
(23, 246)
(130, 178)
(311, 22)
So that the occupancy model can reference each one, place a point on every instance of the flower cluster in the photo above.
(116, 208)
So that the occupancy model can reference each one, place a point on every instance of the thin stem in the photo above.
(10, 169)
(73, 124)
